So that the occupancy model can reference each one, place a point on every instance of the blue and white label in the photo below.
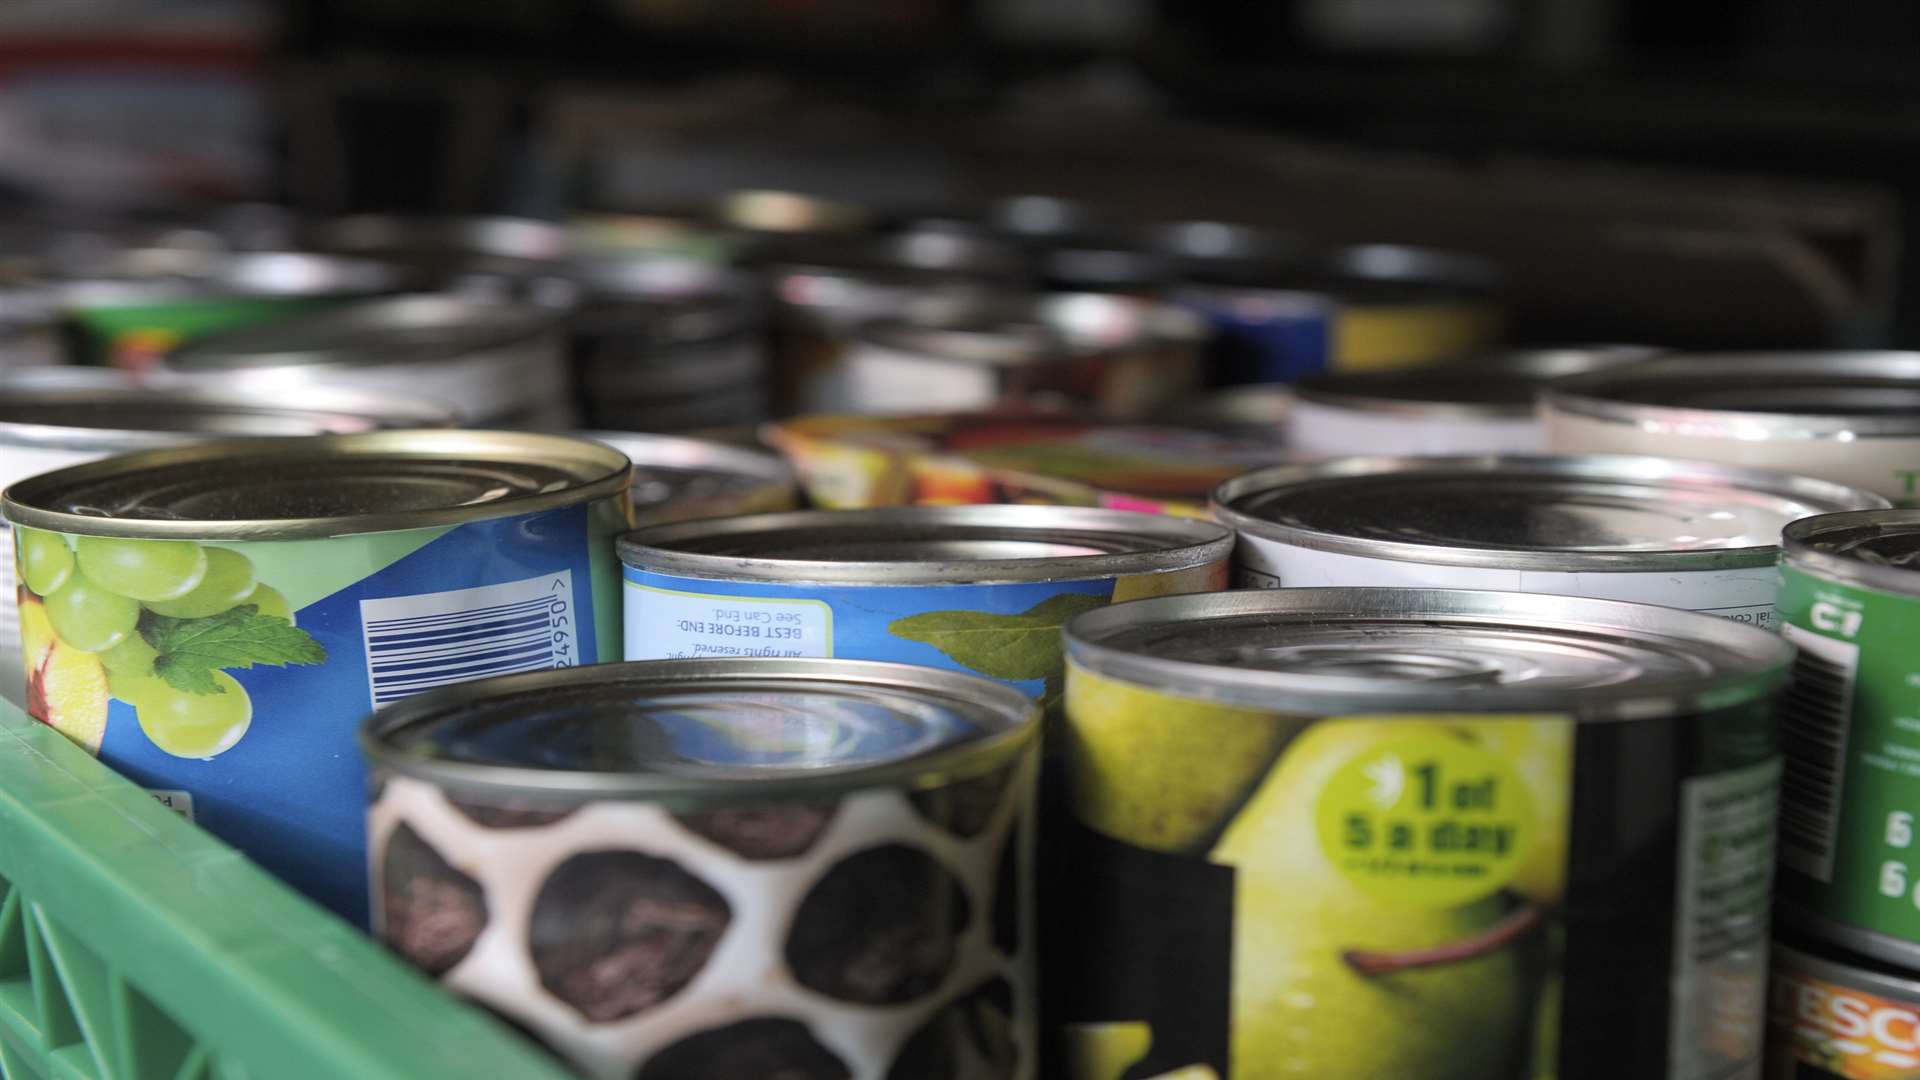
(668, 624)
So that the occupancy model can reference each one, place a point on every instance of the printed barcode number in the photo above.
(1814, 742)
(418, 643)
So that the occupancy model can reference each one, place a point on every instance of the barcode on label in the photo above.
(1814, 740)
(417, 643)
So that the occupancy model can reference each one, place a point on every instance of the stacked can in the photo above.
(1845, 1002)
(804, 869)
(682, 479)
(494, 363)
(1411, 833)
(1852, 417)
(213, 620)
(662, 344)
(51, 418)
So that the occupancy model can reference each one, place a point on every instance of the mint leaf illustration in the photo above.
(1011, 647)
(191, 650)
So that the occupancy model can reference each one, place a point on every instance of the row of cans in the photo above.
(1463, 853)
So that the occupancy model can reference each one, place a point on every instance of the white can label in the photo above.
(674, 625)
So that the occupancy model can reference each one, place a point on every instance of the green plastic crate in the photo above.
(134, 946)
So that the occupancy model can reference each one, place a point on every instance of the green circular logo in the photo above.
(1425, 820)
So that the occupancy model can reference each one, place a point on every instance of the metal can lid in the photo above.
(300, 273)
(1498, 384)
(1198, 243)
(1019, 329)
(928, 545)
(97, 408)
(438, 237)
(1784, 395)
(1879, 548)
(276, 489)
(669, 467)
(1040, 217)
(1575, 512)
(416, 328)
(1350, 651)
(705, 731)
(1401, 264)
(788, 212)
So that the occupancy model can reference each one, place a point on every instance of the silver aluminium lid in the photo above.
(1861, 974)
(1354, 651)
(330, 485)
(1785, 395)
(667, 468)
(927, 545)
(700, 732)
(112, 411)
(1498, 384)
(1018, 329)
(415, 328)
(1876, 548)
(1569, 513)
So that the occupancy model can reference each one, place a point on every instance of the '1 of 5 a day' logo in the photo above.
(1859, 1034)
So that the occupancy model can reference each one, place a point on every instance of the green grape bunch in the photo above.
(163, 620)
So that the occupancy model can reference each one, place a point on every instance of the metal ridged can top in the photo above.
(1496, 384)
(669, 468)
(1788, 395)
(272, 489)
(98, 409)
(411, 329)
(1574, 512)
(1351, 651)
(704, 731)
(1879, 548)
(927, 545)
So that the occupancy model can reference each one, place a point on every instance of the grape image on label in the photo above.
(157, 624)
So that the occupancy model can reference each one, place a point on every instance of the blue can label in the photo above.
(230, 678)
(1010, 632)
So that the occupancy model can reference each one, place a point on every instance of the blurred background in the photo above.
(1712, 174)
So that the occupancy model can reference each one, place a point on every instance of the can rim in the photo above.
(651, 450)
(273, 348)
(973, 329)
(1626, 468)
(1335, 695)
(1799, 538)
(1586, 395)
(1868, 945)
(600, 471)
(938, 767)
(1358, 391)
(83, 385)
(1182, 543)
(1804, 961)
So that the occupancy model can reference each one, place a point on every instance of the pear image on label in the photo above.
(1168, 785)
(1540, 749)
(1365, 944)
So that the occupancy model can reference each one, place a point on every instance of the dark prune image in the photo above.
(775, 831)
(615, 933)
(879, 927)
(511, 815)
(971, 1039)
(764, 1048)
(965, 808)
(430, 913)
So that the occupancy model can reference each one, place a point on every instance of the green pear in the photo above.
(1299, 1008)
(1540, 750)
(1161, 772)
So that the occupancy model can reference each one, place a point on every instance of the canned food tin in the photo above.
(1483, 405)
(53, 418)
(981, 589)
(789, 212)
(1833, 1016)
(448, 252)
(1675, 533)
(213, 620)
(1399, 832)
(1851, 417)
(132, 322)
(495, 363)
(1850, 599)
(663, 334)
(743, 868)
(681, 479)
(1013, 456)
(1121, 355)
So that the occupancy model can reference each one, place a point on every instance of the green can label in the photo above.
(1852, 736)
